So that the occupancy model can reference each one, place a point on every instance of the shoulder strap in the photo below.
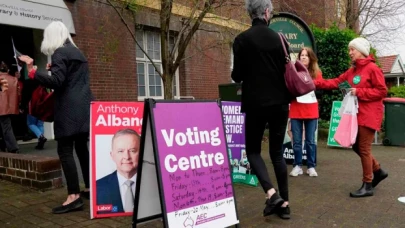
(283, 39)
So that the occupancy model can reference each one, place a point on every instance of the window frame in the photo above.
(147, 64)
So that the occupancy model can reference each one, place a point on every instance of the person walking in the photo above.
(368, 84)
(70, 80)
(259, 63)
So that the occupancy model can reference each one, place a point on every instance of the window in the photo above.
(150, 85)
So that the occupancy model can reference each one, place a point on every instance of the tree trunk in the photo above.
(350, 15)
(168, 86)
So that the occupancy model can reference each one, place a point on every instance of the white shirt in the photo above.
(124, 187)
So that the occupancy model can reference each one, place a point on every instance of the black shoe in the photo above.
(365, 190)
(85, 194)
(284, 212)
(272, 204)
(41, 142)
(379, 175)
(73, 206)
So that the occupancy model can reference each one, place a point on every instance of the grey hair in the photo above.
(55, 35)
(125, 131)
(257, 8)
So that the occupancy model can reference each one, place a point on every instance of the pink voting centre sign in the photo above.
(193, 164)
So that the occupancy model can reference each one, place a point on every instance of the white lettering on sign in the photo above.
(110, 116)
(231, 110)
(115, 121)
(191, 137)
(117, 109)
(291, 36)
(234, 119)
(193, 162)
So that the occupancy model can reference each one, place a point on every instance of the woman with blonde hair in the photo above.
(304, 111)
(70, 81)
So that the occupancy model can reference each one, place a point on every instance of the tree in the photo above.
(172, 58)
(378, 20)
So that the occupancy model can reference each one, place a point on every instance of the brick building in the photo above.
(115, 58)
(119, 70)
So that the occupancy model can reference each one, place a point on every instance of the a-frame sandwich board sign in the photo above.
(184, 173)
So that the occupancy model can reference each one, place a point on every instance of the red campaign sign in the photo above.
(114, 144)
(109, 117)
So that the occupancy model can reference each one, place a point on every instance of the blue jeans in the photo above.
(310, 146)
(35, 125)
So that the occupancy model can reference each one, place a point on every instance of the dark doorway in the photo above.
(24, 43)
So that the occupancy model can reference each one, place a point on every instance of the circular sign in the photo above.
(296, 31)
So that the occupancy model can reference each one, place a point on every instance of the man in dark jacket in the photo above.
(259, 63)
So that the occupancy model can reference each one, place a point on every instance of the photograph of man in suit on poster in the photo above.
(118, 188)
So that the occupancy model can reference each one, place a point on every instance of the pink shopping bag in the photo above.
(346, 132)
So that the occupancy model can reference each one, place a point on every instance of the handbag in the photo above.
(297, 78)
(42, 104)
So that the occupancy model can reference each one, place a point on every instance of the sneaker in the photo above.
(297, 170)
(312, 172)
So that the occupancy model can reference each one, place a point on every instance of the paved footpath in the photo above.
(315, 202)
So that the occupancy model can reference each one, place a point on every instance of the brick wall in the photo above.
(205, 67)
(36, 172)
(313, 11)
(109, 48)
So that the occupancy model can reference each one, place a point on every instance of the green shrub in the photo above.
(323, 124)
(397, 91)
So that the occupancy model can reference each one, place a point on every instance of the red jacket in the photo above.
(369, 81)
(305, 111)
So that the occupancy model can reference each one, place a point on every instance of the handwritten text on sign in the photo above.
(192, 138)
(195, 189)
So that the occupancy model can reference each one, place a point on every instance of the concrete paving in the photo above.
(321, 201)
